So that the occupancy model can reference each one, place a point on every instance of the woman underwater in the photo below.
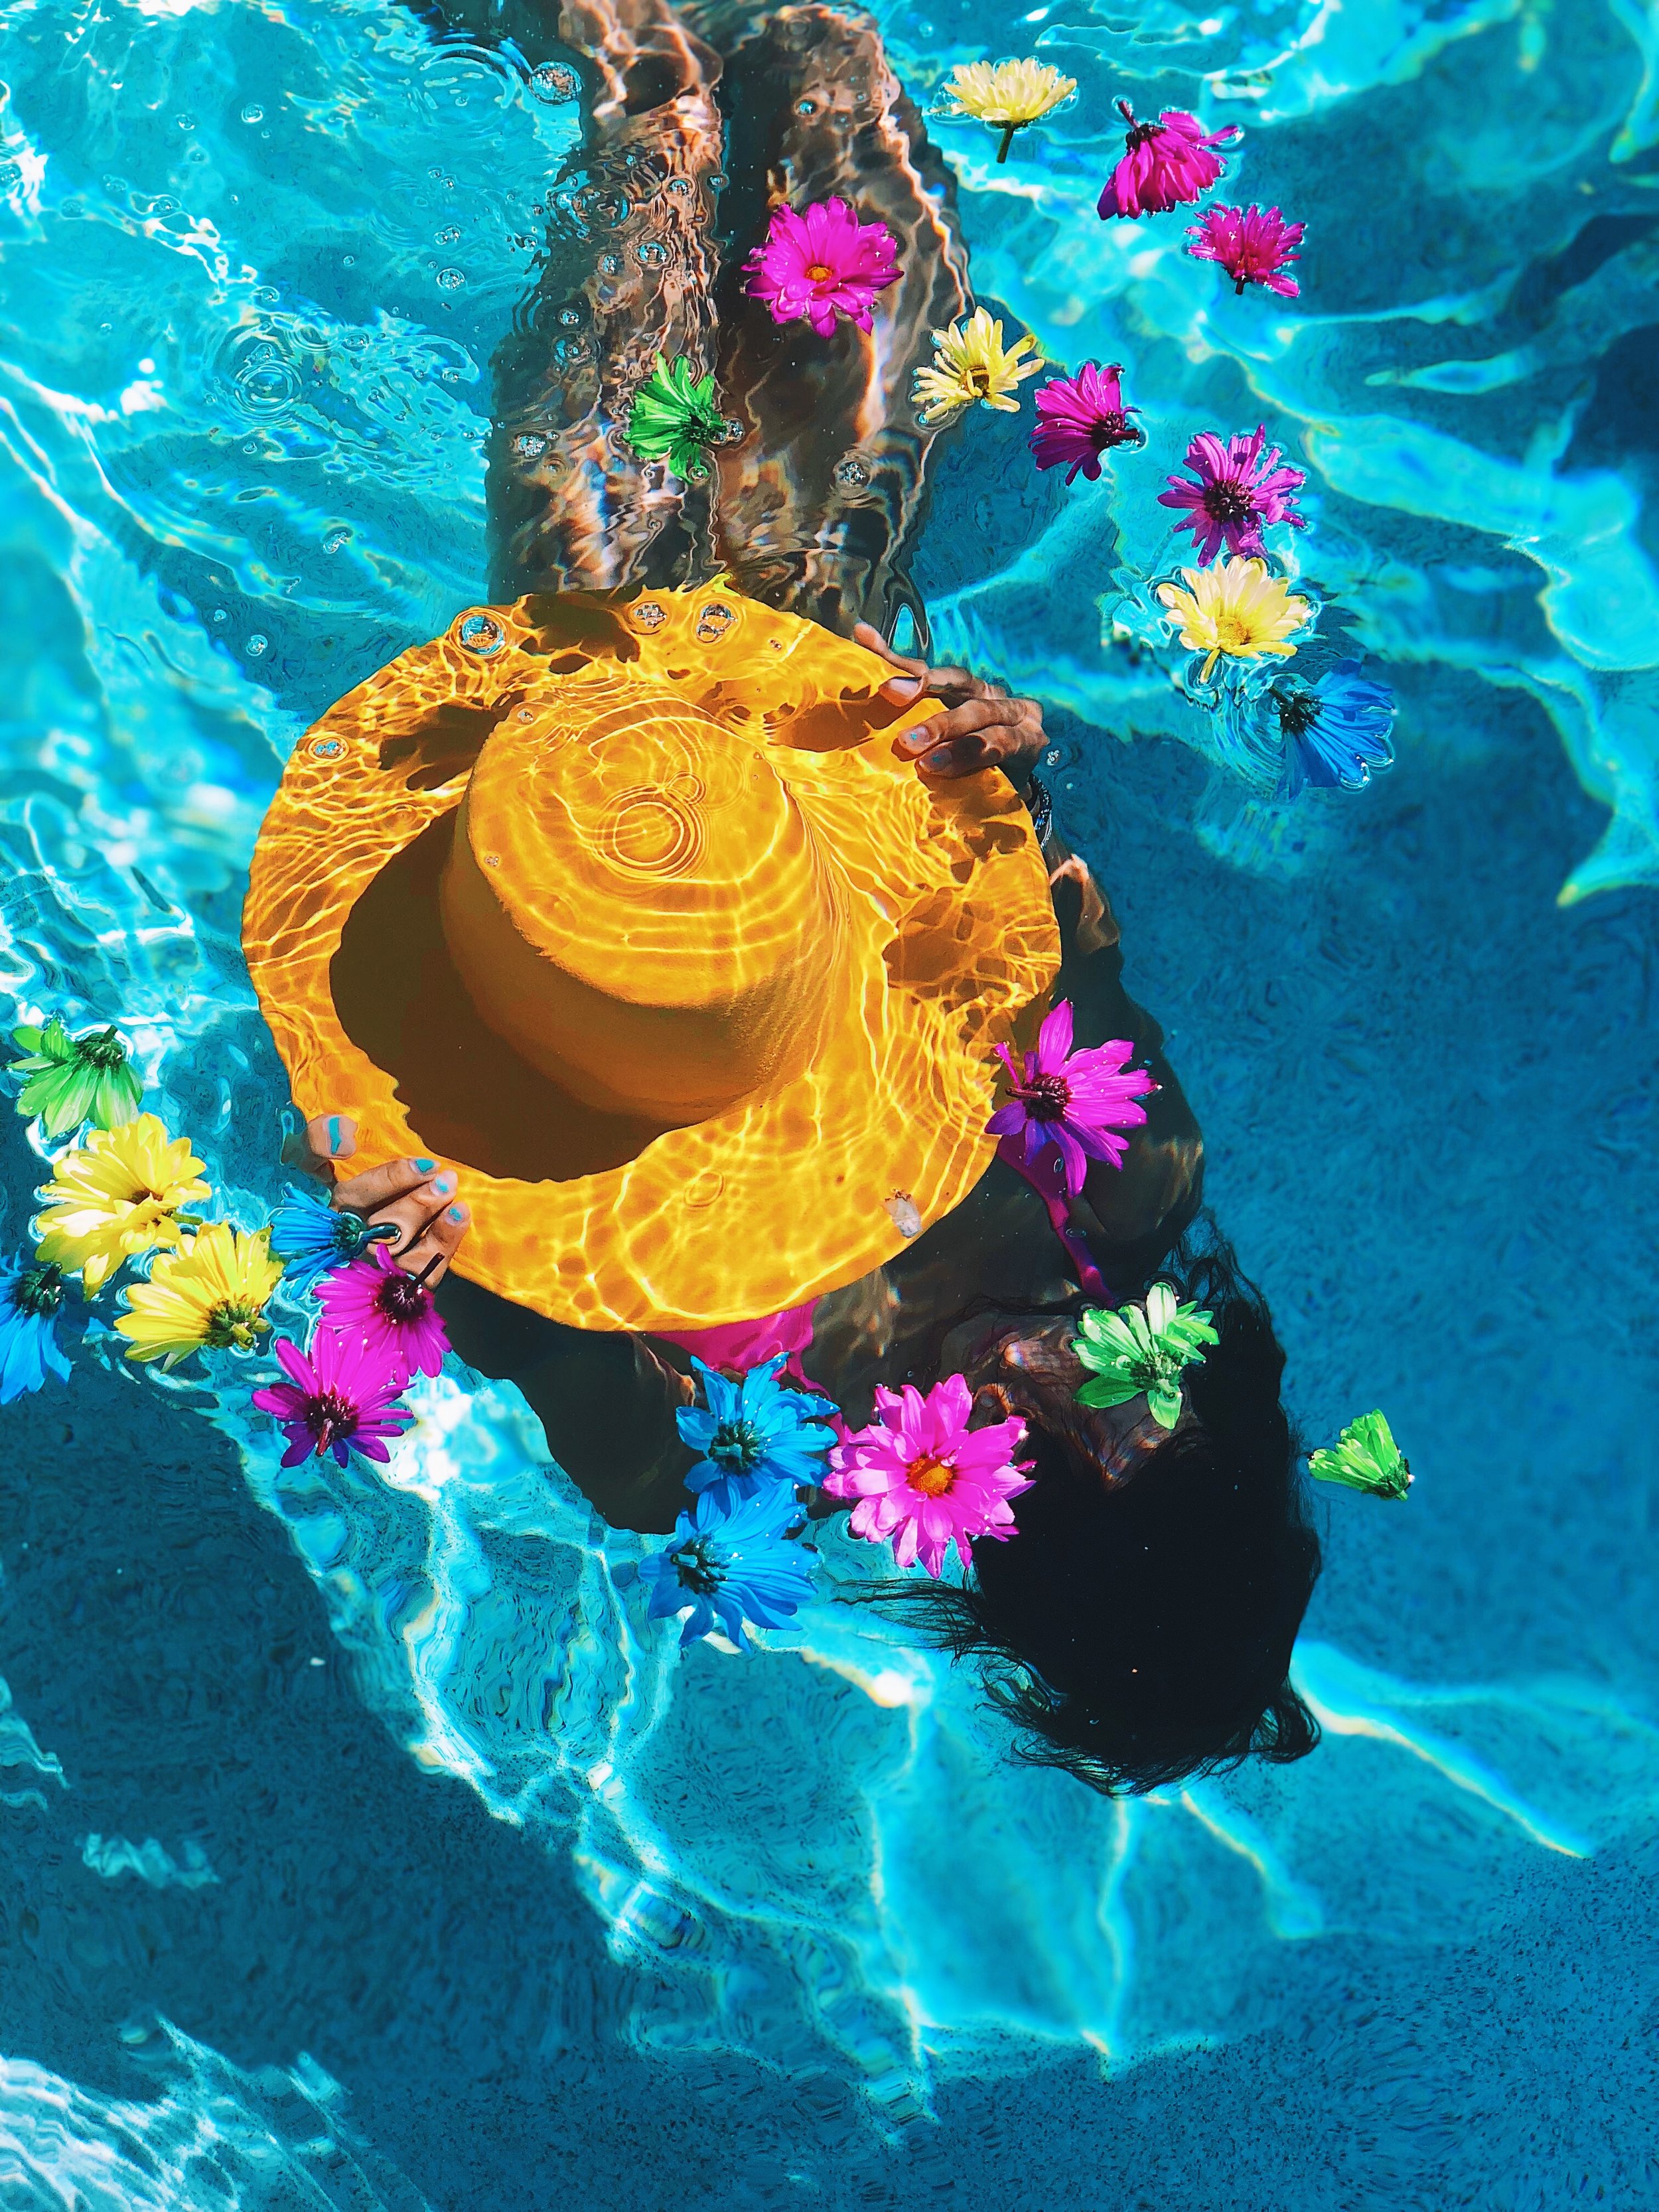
(1139, 1621)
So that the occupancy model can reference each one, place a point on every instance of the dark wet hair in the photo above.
(1140, 1633)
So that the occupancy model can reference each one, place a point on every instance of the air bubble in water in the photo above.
(482, 634)
(610, 265)
(569, 317)
(336, 540)
(253, 115)
(529, 445)
(651, 253)
(450, 279)
(449, 237)
(258, 644)
(552, 83)
(851, 474)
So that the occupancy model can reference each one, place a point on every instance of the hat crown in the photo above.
(638, 904)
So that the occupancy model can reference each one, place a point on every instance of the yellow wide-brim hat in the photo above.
(623, 906)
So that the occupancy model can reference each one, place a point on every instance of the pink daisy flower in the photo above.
(1166, 164)
(821, 263)
(393, 1313)
(1078, 417)
(922, 1477)
(1240, 490)
(1253, 245)
(1071, 1101)
(338, 1401)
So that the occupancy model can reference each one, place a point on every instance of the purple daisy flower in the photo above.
(339, 1400)
(1240, 490)
(1078, 417)
(393, 1315)
(1073, 1102)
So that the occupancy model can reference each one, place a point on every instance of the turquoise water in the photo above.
(359, 1850)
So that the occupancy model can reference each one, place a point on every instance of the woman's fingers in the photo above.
(437, 1244)
(981, 733)
(916, 677)
(328, 1138)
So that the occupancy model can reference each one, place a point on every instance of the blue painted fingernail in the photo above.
(458, 1213)
(442, 1185)
(940, 759)
(426, 1167)
(334, 1132)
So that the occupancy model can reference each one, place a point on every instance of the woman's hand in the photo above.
(431, 1220)
(983, 725)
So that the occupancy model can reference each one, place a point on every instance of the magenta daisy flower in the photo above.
(393, 1313)
(1073, 1102)
(1078, 417)
(1240, 490)
(1165, 164)
(821, 263)
(922, 1477)
(1252, 243)
(339, 1400)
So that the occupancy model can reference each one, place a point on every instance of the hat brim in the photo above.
(588, 1218)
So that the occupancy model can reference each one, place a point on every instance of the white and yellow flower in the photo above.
(210, 1294)
(970, 363)
(1008, 95)
(1235, 609)
(117, 1194)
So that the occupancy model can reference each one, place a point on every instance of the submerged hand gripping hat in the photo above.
(624, 905)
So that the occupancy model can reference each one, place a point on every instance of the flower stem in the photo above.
(1008, 131)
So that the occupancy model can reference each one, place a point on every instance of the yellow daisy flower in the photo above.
(117, 1194)
(1235, 607)
(970, 362)
(212, 1291)
(1008, 94)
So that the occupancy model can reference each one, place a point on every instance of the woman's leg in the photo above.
(819, 505)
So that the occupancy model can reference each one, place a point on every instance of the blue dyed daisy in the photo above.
(314, 1238)
(30, 1299)
(730, 1562)
(1332, 734)
(753, 1434)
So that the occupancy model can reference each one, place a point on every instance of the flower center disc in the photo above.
(1232, 633)
(1225, 503)
(932, 1477)
(400, 1298)
(818, 274)
(1047, 1098)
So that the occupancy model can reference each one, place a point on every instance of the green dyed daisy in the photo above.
(674, 417)
(1140, 1349)
(1364, 1458)
(69, 1081)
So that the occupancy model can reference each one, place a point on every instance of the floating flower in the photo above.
(117, 1195)
(1078, 417)
(730, 1562)
(1165, 164)
(394, 1315)
(1240, 491)
(1140, 1349)
(314, 1237)
(754, 1434)
(71, 1080)
(970, 362)
(1253, 246)
(821, 263)
(675, 415)
(1364, 1458)
(1237, 609)
(1008, 95)
(1073, 1102)
(1334, 734)
(30, 1299)
(210, 1295)
(923, 1477)
(340, 1399)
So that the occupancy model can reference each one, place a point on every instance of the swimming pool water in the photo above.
(362, 1848)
